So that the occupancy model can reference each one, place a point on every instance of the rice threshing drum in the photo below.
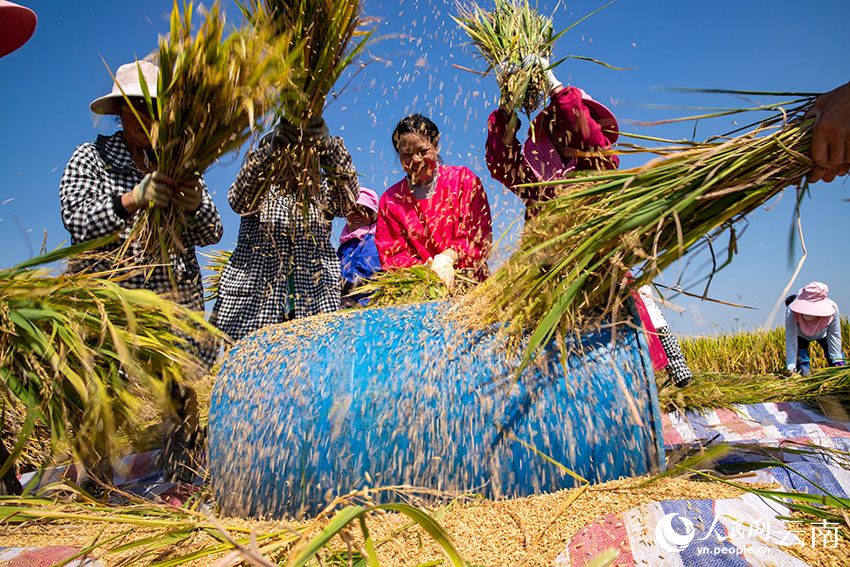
(312, 409)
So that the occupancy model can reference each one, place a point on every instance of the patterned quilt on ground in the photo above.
(732, 532)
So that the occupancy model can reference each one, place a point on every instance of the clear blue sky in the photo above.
(772, 45)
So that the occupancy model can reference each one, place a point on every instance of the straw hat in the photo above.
(127, 78)
(17, 25)
(812, 300)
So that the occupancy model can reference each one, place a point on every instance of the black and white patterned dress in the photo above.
(90, 196)
(283, 267)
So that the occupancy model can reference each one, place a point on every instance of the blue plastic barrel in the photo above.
(312, 409)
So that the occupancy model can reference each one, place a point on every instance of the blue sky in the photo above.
(768, 45)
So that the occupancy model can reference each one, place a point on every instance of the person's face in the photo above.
(133, 131)
(359, 216)
(418, 157)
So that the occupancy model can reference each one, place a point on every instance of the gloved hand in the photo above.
(444, 266)
(314, 133)
(504, 70)
(285, 134)
(552, 81)
(153, 188)
(188, 195)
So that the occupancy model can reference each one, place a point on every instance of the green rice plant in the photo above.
(325, 37)
(212, 93)
(217, 260)
(748, 352)
(412, 285)
(182, 536)
(573, 263)
(709, 390)
(503, 38)
(84, 355)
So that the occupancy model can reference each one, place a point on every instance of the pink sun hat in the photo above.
(368, 199)
(17, 24)
(812, 300)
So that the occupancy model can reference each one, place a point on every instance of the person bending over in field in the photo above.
(811, 317)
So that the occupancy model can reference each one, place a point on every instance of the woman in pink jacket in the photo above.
(438, 214)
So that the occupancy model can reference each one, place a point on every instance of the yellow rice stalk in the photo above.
(324, 35)
(213, 91)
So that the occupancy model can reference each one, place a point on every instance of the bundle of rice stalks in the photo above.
(723, 390)
(571, 267)
(212, 94)
(412, 285)
(322, 35)
(218, 259)
(84, 355)
(503, 37)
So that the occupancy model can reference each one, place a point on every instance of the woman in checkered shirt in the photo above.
(107, 183)
(284, 266)
(103, 189)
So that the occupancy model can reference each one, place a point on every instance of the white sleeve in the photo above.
(652, 308)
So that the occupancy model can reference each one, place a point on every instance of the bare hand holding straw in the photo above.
(831, 135)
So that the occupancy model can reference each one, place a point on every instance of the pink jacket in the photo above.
(456, 216)
(575, 124)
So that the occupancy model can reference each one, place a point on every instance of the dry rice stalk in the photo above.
(412, 285)
(212, 94)
(323, 36)
(217, 261)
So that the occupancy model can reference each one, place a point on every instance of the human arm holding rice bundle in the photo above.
(559, 140)
(831, 135)
(245, 195)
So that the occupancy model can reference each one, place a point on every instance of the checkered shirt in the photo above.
(280, 258)
(95, 178)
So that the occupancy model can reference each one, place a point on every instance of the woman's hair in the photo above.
(416, 124)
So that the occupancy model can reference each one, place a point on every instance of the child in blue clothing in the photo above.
(358, 255)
